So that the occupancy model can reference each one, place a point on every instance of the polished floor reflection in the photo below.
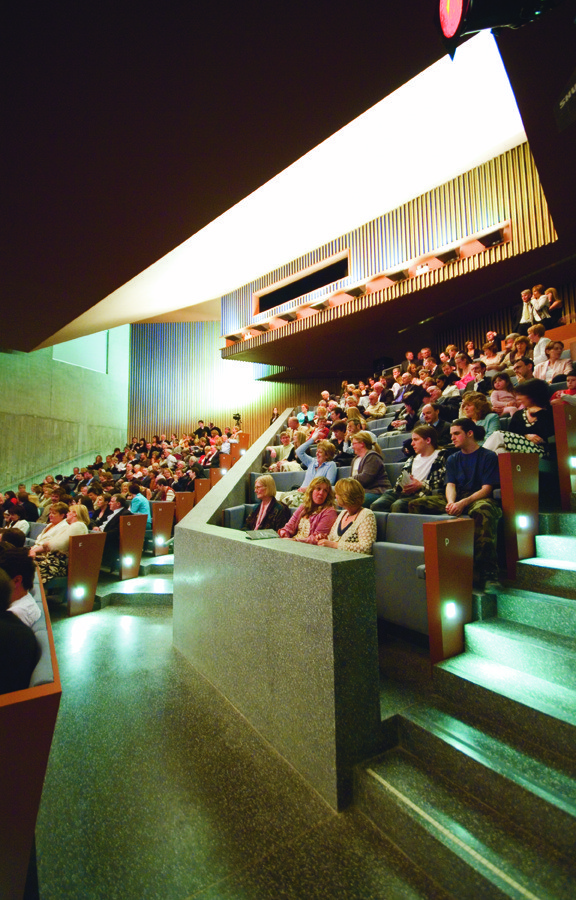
(157, 788)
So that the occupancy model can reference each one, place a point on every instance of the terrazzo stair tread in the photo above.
(521, 786)
(543, 712)
(550, 576)
(528, 649)
(545, 611)
(557, 523)
(464, 845)
(556, 546)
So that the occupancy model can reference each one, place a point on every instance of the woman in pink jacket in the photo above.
(312, 520)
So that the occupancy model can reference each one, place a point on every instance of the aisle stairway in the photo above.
(479, 785)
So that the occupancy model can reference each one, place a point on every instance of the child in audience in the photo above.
(503, 398)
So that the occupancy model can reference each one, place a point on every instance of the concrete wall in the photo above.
(54, 416)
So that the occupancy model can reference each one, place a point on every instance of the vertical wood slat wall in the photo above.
(177, 377)
(507, 187)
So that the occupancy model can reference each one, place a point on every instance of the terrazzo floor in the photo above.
(158, 788)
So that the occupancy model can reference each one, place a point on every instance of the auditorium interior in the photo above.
(234, 724)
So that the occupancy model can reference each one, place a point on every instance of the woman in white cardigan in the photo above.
(355, 528)
(50, 550)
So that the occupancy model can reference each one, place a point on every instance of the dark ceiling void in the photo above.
(127, 128)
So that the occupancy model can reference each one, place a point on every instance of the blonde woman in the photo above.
(312, 520)
(355, 528)
(269, 513)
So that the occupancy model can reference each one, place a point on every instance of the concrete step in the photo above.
(549, 656)
(555, 614)
(556, 546)
(541, 712)
(557, 523)
(150, 590)
(551, 576)
(156, 565)
(467, 847)
(530, 786)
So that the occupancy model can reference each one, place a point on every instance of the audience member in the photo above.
(431, 416)
(503, 398)
(312, 520)
(18, 647)
(523, 369)
(480, 382)
(471, 475)
(422, 475)
(19, 567)
(368, 466)
(566, 395)
(269, 513)
(355, 528)
(530, 427)
(539, 341)
(554, 367)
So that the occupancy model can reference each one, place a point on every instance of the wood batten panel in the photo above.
(505, 188)
(178, 377)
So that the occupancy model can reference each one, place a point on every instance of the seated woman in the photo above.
(555, 308)
(554, 367)
(464, 372)
(422, 475)
(269, 513)
(368, 466)
(355, 528)
(313, 520)
(319, 465)
(531, 426)
(492, 358)
(50, 550)
(503, 398)
(522, 347)
(476, 407)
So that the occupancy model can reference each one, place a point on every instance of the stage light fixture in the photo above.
(459, 18)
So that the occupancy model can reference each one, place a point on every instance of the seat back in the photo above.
(402, 528)
(285, 481)
(393, 470)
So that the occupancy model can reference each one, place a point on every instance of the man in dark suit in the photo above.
(431, 416)
(118, 507)
(481, 384)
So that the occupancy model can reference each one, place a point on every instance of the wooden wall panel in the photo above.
(178, 377)
(505, 188)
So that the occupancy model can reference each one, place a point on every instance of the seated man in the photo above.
(431, 416)
(18, 647)
(284, 453)
(421, 476)
(523, 369)
(111, 527)
(19, 567)
(375, 409)
(344, 451)
(471, 475)
(481, 383)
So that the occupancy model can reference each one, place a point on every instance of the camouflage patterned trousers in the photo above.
(485, 513)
